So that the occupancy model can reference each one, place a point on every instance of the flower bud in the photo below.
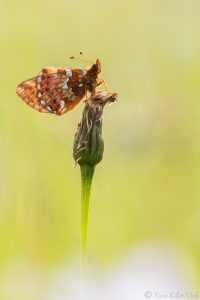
(88, 143)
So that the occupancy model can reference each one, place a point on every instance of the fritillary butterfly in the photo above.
(58, 90)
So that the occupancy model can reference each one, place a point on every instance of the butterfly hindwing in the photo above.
(54, 90)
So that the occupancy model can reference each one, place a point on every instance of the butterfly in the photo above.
(58, 90)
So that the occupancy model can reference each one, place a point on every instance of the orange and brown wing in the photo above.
(54, 90)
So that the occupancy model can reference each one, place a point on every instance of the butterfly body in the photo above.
(58, 90)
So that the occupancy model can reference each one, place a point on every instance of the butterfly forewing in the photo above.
(54, 90)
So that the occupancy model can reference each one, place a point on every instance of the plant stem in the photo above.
(88, 152)
(87, 172)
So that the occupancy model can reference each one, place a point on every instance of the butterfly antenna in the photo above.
(82, 59)
(85, 56)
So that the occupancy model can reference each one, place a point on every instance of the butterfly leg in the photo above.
(105, 85)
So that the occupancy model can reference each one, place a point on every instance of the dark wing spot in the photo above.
(44, 70)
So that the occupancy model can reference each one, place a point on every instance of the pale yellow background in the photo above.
(146, 190)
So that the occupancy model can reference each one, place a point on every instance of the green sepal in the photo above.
(88, 143)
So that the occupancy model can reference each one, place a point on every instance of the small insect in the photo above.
(58, 90)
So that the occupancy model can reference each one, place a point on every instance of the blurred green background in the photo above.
(147, 186)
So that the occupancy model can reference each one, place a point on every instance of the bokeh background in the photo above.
(144, 227)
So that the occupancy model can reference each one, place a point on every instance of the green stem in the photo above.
(87, 172)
